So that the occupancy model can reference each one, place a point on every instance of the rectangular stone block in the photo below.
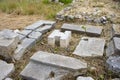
(44, 29)
(8, 43)
(35, 35)
(5, 69)
(88, 29)
(115, 30)
(58, 61)
(116, 42)
(25, 32)
(23, 47)
(90, 47)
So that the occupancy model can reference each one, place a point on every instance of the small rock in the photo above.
(84, 78)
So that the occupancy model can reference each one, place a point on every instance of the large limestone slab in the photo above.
(39, 24)
(8, 42)
(90, 47)
(58, 61)
(5, 69)
(25, 32)
(84, 78)
(23, 47)
(113, 64)
(51, 66)
(88, 29)
(35, 35)
(116, 41)
(116, 30)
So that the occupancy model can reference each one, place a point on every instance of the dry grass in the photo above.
(30, 7)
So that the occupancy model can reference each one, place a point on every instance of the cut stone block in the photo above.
(47, 64)
(116, 41)
(88, 29)
(25, 32)
(8, 79)
(90, 47)
(8, 43)
(116, 79)
(35, 35)
(57, 36)
(39, 24)
(59, 61)
(113, 64)
(23, 47)
(116, 30)
(44, 29)
(84, 78)
(110, 49)
(5, 69)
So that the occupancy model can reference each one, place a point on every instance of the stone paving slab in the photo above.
(35, 35)
(25, 32)
(113, 64)
(5, 69)
(58, 61)
(88, 29)
(116, 41)
(115, 30)
(116, 79)
(8, 79)
(44, 72)
(90, 47)
(84, 78)
(8, 42)
(23, 47)
(39, 24)
(44, 29)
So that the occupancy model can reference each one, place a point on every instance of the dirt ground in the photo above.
(11, 21)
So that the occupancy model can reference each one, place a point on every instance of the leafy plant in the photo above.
(65, 1)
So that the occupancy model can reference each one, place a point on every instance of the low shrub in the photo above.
(66, 1)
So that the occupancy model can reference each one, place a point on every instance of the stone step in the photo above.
(88, 29)
(90, 47)
(58, 61)
(5, 69)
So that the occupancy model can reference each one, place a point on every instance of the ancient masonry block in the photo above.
(90, 47)
(115, 30)
(113, 47)
(88, 29)
(8, 43)
(5, 69)
(47, 64)
(57, 36)
(84, 78)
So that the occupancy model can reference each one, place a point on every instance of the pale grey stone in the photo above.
(21, 37)
(58, 61)
(113, 64)
(44, 29)
(23, 47)
(90, 47)
(8, 79)
(116, 30)
(116, 41)
(8, 43)
(35, 35)
(84, 78)
(88, 29)
(116, 79)
(5, 69)
(38, 71)
(25, 32)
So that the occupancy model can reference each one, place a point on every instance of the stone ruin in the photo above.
(63, 39)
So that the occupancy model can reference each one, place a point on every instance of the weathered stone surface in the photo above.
(116, 79)
(84, 78)
(50, 66)
(63, 38)
(116, 30)
(113, 64)
(35, 35)
(23, 47)
(21, 37)
(58, 61)
(39, 24)
(88, 29)
(44, 29)
(116, 41)
(44, 72)
(8, 79)
(5, 69)
(25, 32)
(90, 47)
(8, 42)
(110, 49)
